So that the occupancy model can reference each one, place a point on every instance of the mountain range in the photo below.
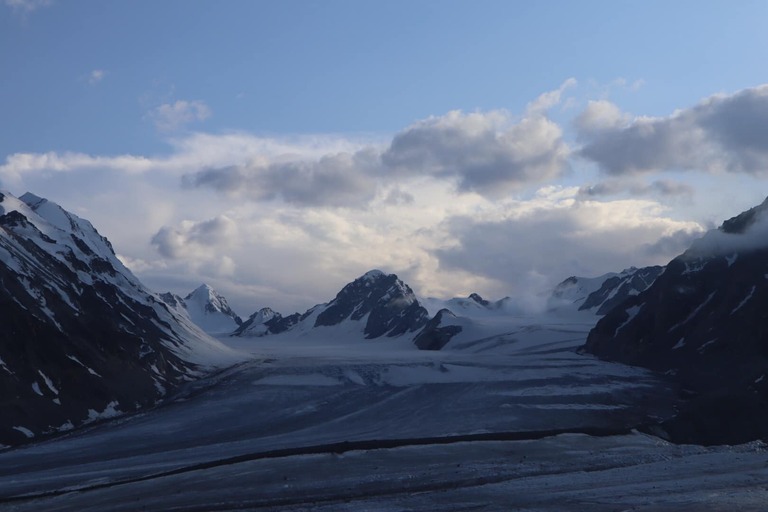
(83, 339)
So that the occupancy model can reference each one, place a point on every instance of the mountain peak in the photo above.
(742, 222)
(372, 275)
(388, 303)
(210, 310)
(477, 298)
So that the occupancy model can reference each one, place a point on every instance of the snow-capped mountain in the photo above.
(207, 309)
(82, 338)
(703, 321)
(473, 305)
(375, 304)
(266, 321)
(600, 294)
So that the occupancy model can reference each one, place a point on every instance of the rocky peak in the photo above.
(477, 298)
(389, 304)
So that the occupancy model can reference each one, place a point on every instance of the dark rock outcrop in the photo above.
(438, 331)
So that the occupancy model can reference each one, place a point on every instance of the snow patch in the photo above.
(633, 311)
(65, 426)
(5, 367)
(746, 299)
(694, 313)
(110, 411)
(25, 431)
(90, 370)
(679, 344)
(48, 382)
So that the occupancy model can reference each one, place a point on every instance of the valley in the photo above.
(378, 425)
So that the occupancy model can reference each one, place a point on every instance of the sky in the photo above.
(276, 150)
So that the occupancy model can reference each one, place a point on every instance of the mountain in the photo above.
(601, 294)
(82, 338)
(266, 321)
(207, 309)
(704, 322)
(375, 304)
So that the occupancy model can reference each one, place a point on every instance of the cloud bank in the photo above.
(484, 201)
(723, 133)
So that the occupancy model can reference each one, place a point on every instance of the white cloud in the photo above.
(600, 116)
(550, 99)
(723, 133)
(170, 117)
(487, 153)
(192, 239)
(555, 235)
(96, 76)
(455, 203)
(27, 6)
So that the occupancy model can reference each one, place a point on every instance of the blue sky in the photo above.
(278, 149)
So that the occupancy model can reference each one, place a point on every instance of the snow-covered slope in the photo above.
(82, 338)
(600, 294)
(374, 305)
(211, 311)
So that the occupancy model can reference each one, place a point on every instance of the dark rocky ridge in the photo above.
(79, 334)
(615, 290)
(388, 306)
(704, 322)
(435, 335)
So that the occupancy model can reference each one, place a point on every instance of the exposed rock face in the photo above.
(389, 304)
(616, 289)
(438, 331)
(81, 337)
(704, 321)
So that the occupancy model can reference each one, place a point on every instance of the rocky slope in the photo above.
(81, 337)
(603, 293)
(704, 323)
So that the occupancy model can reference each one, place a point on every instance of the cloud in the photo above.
(550, 99)
(485, 152)
(672, 244)
(191, 239)
(554, 235)
(96, 76)
(337, 180)
(27, 6)
(170, 117)
(723, 133)
(193, 151)
(599, 117)
(663, 188)
(488, 153)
